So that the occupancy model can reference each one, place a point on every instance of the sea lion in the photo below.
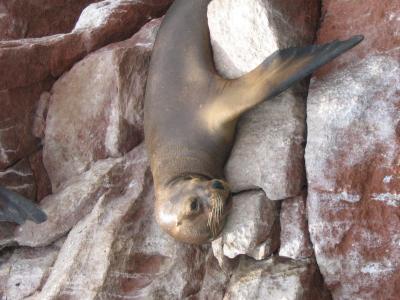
(191, 114)
(17, 209)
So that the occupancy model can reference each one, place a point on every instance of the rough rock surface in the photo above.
(18, 106)
(270, 137)
(118, 250)
(352, 165)
(26, 270)
(32, 65)
(252, 227)
(295, 238)
(19, 178)
(27, 19)
(379, 22)
(276, 278)
(72, 202)
(43, 185)
(96, 109)
(352, 154)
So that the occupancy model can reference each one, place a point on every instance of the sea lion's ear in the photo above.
(275, 74)
(18, 209)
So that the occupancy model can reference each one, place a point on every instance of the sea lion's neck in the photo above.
(177, 161)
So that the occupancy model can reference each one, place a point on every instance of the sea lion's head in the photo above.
(193, 209)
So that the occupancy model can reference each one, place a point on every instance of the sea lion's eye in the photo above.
(194, 205)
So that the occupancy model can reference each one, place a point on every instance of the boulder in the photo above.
(295, 238)
(28, 19)
(268, 152)
(96, 109)
(26, 271)
(252, 227)
(33, 64)
(352, 153)
(276, 278)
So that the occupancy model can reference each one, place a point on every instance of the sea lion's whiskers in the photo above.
(215, 216)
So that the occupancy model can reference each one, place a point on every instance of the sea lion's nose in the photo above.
(217, 185)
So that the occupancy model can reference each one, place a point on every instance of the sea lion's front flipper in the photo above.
(277, 73)
(18, 209)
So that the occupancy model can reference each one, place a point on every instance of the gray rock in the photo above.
(268, 151)
(295, 238)
(252, 227)
(276, 278)
(27, 269)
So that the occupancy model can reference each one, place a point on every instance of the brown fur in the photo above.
(191, 114)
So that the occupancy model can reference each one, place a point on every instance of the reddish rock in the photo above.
(27, 19)
(378, 21)
(352, 154)
(72, 202)
(16, 119)
(32, 60)
(118, 251)
(215, 281)
(32, 65)
(19, 178)
(43, 184)
(353, 172)
(39, 120)
(295, 239)
(94, 117)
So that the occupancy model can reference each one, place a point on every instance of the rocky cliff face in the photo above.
(316, 169)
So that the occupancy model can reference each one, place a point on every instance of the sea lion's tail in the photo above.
(16, 208)
(278, 72)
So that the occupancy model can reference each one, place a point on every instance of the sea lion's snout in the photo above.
(193, 209)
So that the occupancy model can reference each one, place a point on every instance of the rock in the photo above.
(19, 178)
(215, 280)
(268, 152)
(7, 235)
(33, 64)
(378, 22)
(5, 267)
(27, 177)
(352, 153)
(94, 117)
(295, 238)
(252, 227)
(276, 278)
(72, 202)
(16, 118)
(39, 121)
(21, 19)
(269, 148)
(352, 160)
(43, 184)
(118, 251)
(27, 269)
(32, 60)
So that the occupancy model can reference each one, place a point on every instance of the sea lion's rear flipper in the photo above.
(277, 73)
(18, 209)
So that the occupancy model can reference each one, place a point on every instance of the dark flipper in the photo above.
(18, 209)
(278, 72)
